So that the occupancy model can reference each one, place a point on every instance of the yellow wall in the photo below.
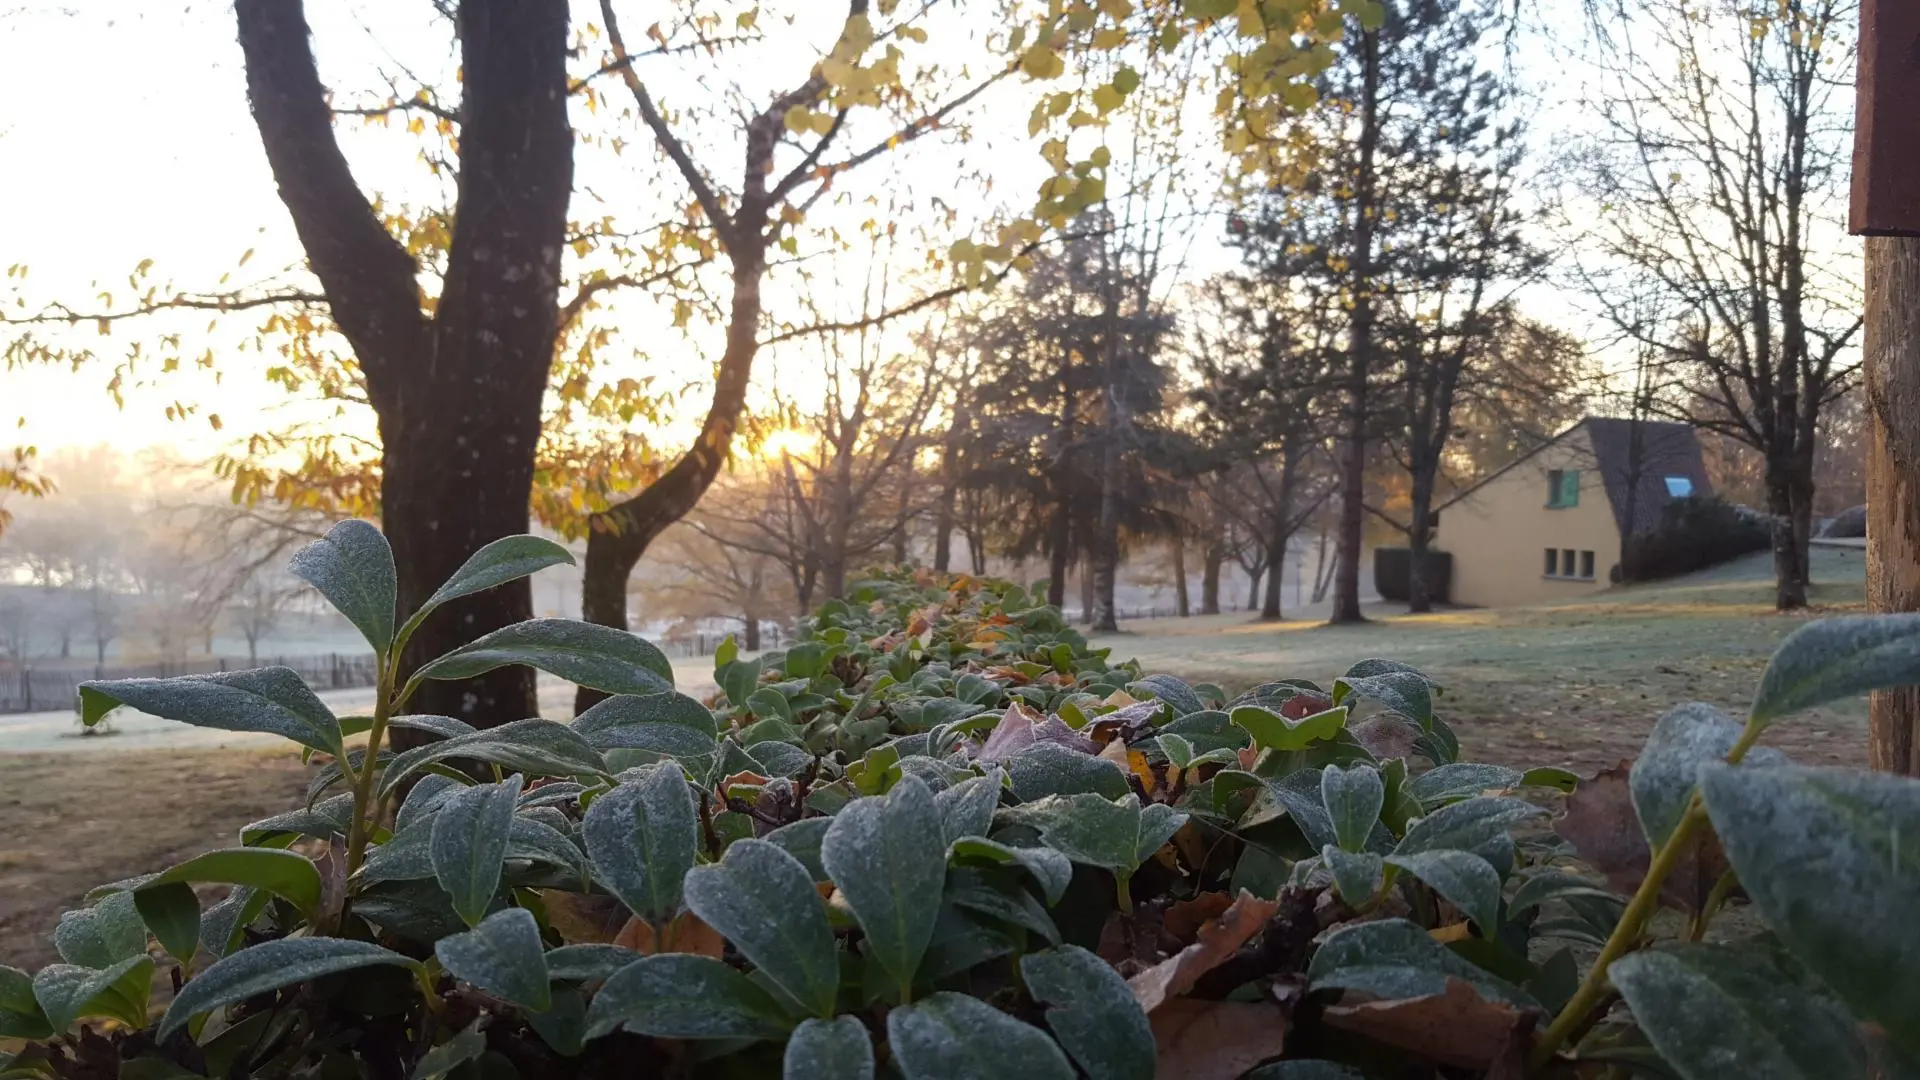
(1499, 533)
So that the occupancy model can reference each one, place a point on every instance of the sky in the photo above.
(144, 149)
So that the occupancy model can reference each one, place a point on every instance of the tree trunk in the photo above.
(751, 623)
(1181, 601)
(1210, 578)
(1058, 556)
(458, 397)
(943, 522)
(1279, 532)
(1087, 599)
(1346, 586)
(1276, 564)
(1419, 536)
(1253, 588)
(1892, 358)
(1789, 592)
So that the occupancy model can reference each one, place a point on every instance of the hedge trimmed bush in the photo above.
(941, 837)
(1694, 533)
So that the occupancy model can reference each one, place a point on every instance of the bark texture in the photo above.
(1892, 360)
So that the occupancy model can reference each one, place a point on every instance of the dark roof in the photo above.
(1651, 449)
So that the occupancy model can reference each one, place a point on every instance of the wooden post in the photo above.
(1886, 209)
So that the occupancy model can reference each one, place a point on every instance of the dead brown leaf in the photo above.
(584, 920)
(685, 934)
(1185, 917)
(1215, 1040)
(1218, 938)
(1385, 736)
(1458, 1028)
(1603, 827)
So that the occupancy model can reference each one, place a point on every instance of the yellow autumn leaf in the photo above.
(1041, 62)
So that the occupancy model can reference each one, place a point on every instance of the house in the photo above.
(1549, 525)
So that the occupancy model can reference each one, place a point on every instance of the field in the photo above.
(1575, 684)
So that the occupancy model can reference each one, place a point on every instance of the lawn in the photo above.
(1575, 683)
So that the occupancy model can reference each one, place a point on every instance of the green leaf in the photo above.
(762, 900)
(737, 680)
(1353, 798)
(221, 924)
(469, 845)
(465, 1046)
(597, 657)
(534, 747)
(1393, 958)
(1717, 1011)
(509, 558)
(1663, 776)
(1116, 834)
(1271, 731)
(1174, 692)
(802, 840)
(322, 821)
(888, 855)
(1555, 885)
(1461, 780)
(1468, 881)
(1092, 1012)
(503, 956)
(672, 724)
(1403, 691)
(1051, 870)
(1305, 1069)
(727, 653)
(20, 1014)
(67, 993)
(1051, 769)
(1009, 903)
(679, 996)
(102, 935)
(352, 566)
(1831, 858)
(643, 837)
(270, 965)
(408, 856)
(1471, 825)
(269, 700)
(286, 874)
(805, 660)
(1357, 875)
(587, 963)
(949, 1036)
(1835, 658)
(769, 702)
(837, 1049)
(172, 912)
(966, 809)
(1550, 776)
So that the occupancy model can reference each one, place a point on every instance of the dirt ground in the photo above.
(69, 822)
(1576, 684)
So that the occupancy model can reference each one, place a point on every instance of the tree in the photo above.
(1720, 153)
(719, 578)
(18, 477)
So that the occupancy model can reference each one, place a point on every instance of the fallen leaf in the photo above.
(741, 779)
(1458, 1027)
(685, 934)
(1215, 1040)
(1603, 827)
(1248, 755)
(1305, 704)
(1455, 932)
(1218, 938)
(1121, 698)
(1116, 752)
(1185, 917)
(1385, 736)
(584, 920)
(1193, 849)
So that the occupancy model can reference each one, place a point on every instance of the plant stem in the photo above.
(364, 807)
(1123, 892)
(1627, 932)
(1716, 899)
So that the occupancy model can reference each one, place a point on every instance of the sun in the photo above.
(788, 441)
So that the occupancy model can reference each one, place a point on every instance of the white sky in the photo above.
(124, 135)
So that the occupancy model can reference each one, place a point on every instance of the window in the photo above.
(1566, 562)
(1679, 486)
(1563, 488)
(1586, 565)
(1553, 562)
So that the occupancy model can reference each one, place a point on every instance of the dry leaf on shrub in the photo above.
(1215, 1040)
(686, 934)
(1603, 827)
(1386, 736)
(1185, 917)
(1218, 939)
(1458, 1028)
(584, 920)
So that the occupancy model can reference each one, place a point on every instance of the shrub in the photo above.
(939, 836)
(1693, 534)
